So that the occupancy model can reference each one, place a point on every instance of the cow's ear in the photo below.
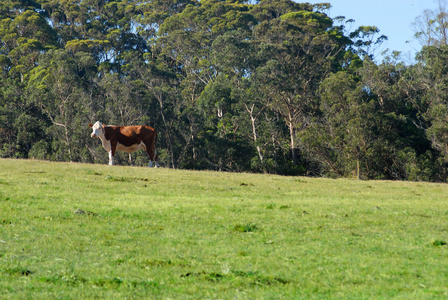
(90, 125)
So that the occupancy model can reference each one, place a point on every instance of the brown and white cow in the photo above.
(126, 138)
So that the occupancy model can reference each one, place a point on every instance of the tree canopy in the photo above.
(270, 86)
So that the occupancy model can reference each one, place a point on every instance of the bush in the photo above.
(39, 150)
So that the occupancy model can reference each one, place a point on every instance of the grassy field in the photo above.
(77, 231)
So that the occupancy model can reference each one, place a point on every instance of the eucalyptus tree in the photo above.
(59, 87)
(431, 27)
(150, 15)
(402, 146)
(24, 34)
(340, 134)
(185, 42)
(298, 49)
(105, 28)
(234, 56)
(186, 38)
(164, 104)
(370, 126)
(433, 74)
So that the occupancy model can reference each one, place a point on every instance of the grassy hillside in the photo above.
(94, 231)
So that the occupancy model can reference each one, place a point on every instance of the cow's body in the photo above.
(126, 138)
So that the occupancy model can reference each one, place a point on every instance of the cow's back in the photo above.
(129, 135)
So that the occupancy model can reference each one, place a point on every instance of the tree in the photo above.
(431, 27)
(298, 50)
(185, 43)
(23, 35)
(58, 89)
(433, 74)
(150, 15)
(161, 86)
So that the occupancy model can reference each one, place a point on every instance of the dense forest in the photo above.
(271, 86)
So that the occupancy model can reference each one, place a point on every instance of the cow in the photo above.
(126, 138)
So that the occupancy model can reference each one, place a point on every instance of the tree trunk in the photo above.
(254, 131)
(292, 142)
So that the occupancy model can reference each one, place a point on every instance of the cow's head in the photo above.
(97, 129)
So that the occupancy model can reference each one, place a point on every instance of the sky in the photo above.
(393, 18)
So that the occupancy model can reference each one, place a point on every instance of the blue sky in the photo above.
(392, 17)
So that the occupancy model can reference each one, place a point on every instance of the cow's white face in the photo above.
(97, 129)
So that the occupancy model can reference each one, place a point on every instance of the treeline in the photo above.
(273, 86)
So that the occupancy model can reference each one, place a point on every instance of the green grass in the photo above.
(77, 231)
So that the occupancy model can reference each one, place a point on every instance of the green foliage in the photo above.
(265, 86)
(439, 243)
(245, 227)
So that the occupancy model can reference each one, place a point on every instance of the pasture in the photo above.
(78, 231)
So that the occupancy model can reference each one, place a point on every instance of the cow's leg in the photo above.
(155, 165)
(155, 158)
(112, 154)
(152, 153)
(111, 158)
(151, 157)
